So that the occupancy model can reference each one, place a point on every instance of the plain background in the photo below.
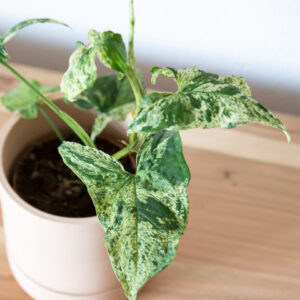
(257, 39)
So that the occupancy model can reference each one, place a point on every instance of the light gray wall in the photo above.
(258, 39)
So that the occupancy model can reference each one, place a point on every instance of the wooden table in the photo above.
(243, 237)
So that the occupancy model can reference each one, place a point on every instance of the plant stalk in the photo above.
(135, 83)
(51, 123)
(131, 58)
(123, 152)
(137, 88)
(78, 130)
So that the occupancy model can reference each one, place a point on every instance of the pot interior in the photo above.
(18, 133)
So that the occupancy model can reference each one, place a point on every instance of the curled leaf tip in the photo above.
(154, 74)
(288, 136)
(79, 43)
(8, 35)
(13, 30)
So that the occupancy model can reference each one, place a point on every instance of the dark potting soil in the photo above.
(42, 179)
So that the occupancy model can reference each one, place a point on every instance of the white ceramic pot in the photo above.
(52, 257)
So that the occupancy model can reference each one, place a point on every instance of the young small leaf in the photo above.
(110, 49)
(49, 89)
(13, 31)
(111, 97)
(81, 74)
(203, 100)
(143, 215)
(100, 123)
(24, 100)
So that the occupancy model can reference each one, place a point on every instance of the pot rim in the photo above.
(4, 133)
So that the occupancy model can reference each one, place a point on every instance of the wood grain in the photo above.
(243, 237)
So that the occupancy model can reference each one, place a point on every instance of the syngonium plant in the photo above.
(143, 214)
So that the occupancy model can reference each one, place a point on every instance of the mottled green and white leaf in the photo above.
(111, 97)
(203, 100)
(110, 49)
(15, 29)
(81, 74)
(100, 123)
(82, 71)
(143, 215)
(24, 100)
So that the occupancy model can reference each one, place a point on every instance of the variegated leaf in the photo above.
(24, 100)
(143, 215)
(110, 49)
(82, 71)
(203, 100)
(111, 97)
(100, 123)
(81, 74)
(13, 31)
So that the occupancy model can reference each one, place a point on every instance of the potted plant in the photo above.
(143, 212)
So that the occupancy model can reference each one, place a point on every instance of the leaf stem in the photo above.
(78, 130)
(122, 152)
(51, 123)
(131, 147)
(137, 88)
(131, 58)
(135, 83)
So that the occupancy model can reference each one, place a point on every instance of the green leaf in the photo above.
(143, 215)
(49, 89)
(110, 49)
(100, 123)
(81, 74)
(24, 100)
(203, 100)
(13, 31)
(82, 71)
(111, 97)
(3, 54)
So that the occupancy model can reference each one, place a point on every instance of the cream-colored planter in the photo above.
(52, 258)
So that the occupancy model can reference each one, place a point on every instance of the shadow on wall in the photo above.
(53, 57)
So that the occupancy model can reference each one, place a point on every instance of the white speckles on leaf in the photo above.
(110, 49)
(82, 71)
(204, 100)
(143, 215)
(111, 97)
(81, 74)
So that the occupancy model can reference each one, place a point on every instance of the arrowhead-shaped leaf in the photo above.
(111, 97)
(13, 31)
(203, 100)
(143, 215)
(24, 100)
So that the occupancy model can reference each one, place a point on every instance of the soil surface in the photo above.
(42, 179)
